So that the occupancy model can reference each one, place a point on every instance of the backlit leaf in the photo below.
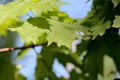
(99, 28)
(12, 11)
(116, 22)
(18, 8)
(115, 2)
(30, 33)
(63, 33)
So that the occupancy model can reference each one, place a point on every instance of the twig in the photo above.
(8, 49)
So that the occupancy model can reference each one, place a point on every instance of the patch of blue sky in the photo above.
(77, 8)
(28, 63)
(59, 69)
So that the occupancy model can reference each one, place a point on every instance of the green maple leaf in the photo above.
(99, 28)
(116, 22)
(17, 8)
(7, 24)
(63, 33)
(30, 33)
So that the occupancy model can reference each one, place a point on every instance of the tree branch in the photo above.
(8, 49)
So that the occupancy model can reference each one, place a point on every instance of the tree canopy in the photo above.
(96, 57)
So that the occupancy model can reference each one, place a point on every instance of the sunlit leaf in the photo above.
(67, 36)
(116, 22)
(99, 28)
(30, 33)
(109, 68)
(12, 10)
(7, 24)
(23, 7)
(115, 2)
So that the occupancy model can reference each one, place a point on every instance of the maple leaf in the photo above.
(99, 28)
(17, 8)
(63, 33)
(30, 33)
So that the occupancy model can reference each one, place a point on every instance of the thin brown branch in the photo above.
(8, 49)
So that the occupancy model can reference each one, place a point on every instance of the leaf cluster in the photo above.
(98, 32)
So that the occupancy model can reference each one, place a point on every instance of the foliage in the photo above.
(56, 31)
